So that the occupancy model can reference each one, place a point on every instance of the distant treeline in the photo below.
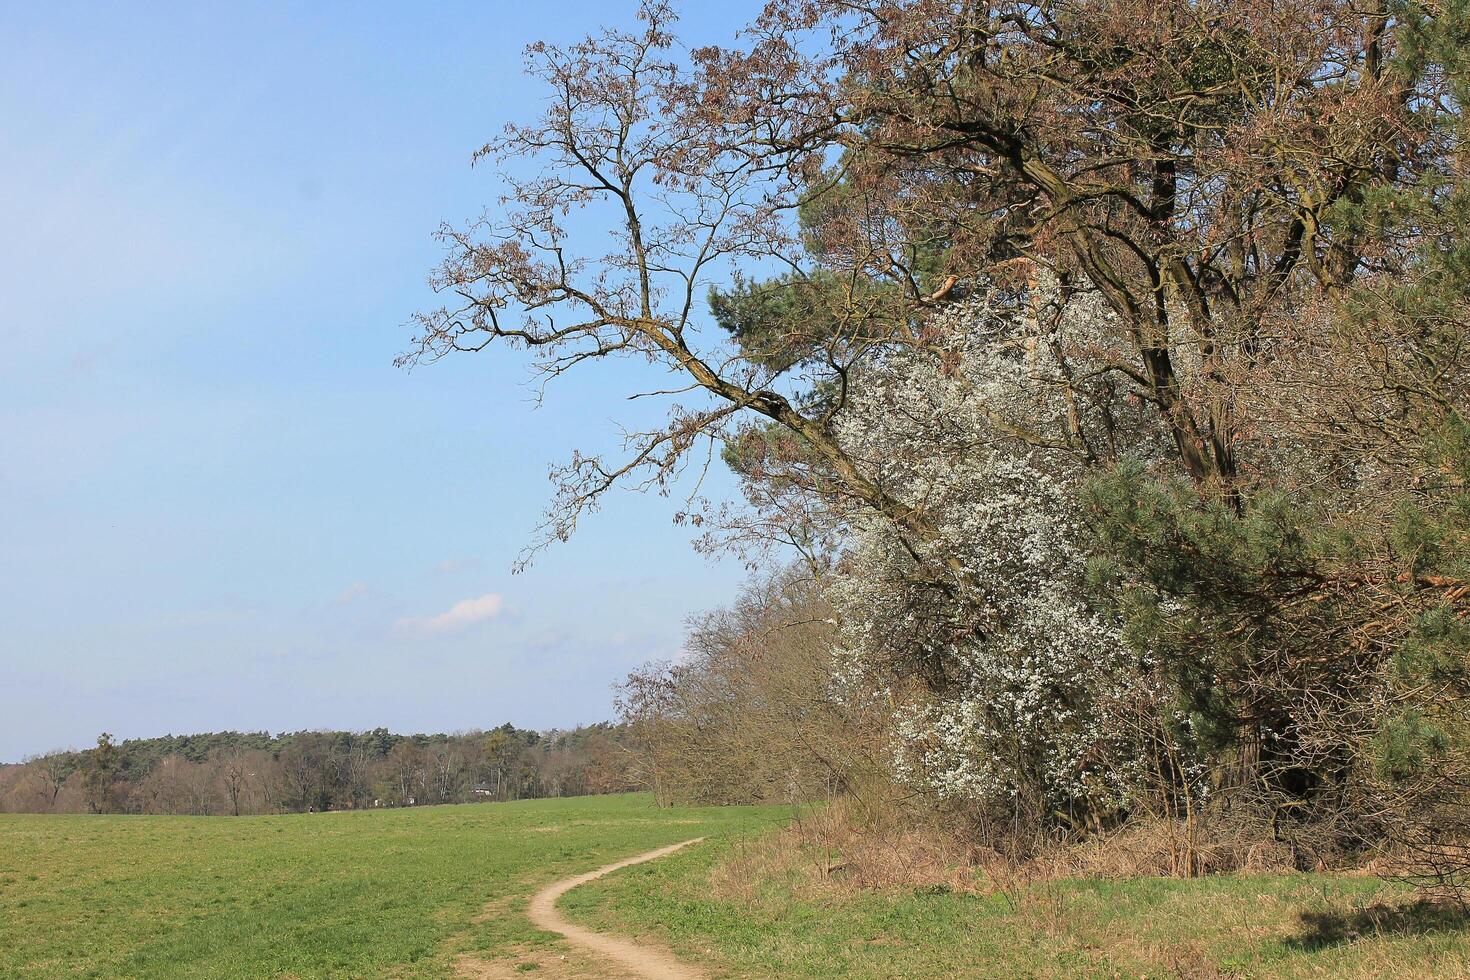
(257, 772)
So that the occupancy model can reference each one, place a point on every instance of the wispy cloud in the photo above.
(463, 614)
(455, 566)
(547, 640)
(351, 594)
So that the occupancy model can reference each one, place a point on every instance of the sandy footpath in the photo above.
(639, 960)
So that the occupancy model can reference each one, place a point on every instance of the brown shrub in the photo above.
(849, 846)
(886, 842)
(1152, 846)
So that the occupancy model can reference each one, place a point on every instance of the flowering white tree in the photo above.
(1029, 689)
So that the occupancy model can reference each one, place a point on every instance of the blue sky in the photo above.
(221, 506)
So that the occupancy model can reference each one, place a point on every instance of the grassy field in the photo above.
(411, 893)
(782, 923)
(358, 894)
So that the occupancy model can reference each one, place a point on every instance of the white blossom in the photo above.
(1027, 681)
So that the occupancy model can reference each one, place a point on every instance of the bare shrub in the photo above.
(843, 848)
(1148, 846)
(751, 713)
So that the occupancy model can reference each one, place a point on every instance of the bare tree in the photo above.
(688, 198)
(406, 765)
(51, 772)
(234, 767)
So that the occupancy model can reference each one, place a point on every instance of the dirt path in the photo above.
(643, 961)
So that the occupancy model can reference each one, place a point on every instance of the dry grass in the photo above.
(1154, 847)
(843, 849)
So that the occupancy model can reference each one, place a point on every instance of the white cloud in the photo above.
(462, 614)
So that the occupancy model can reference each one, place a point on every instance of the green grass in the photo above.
(358, 894)
(404, 893)
(1223, 926)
